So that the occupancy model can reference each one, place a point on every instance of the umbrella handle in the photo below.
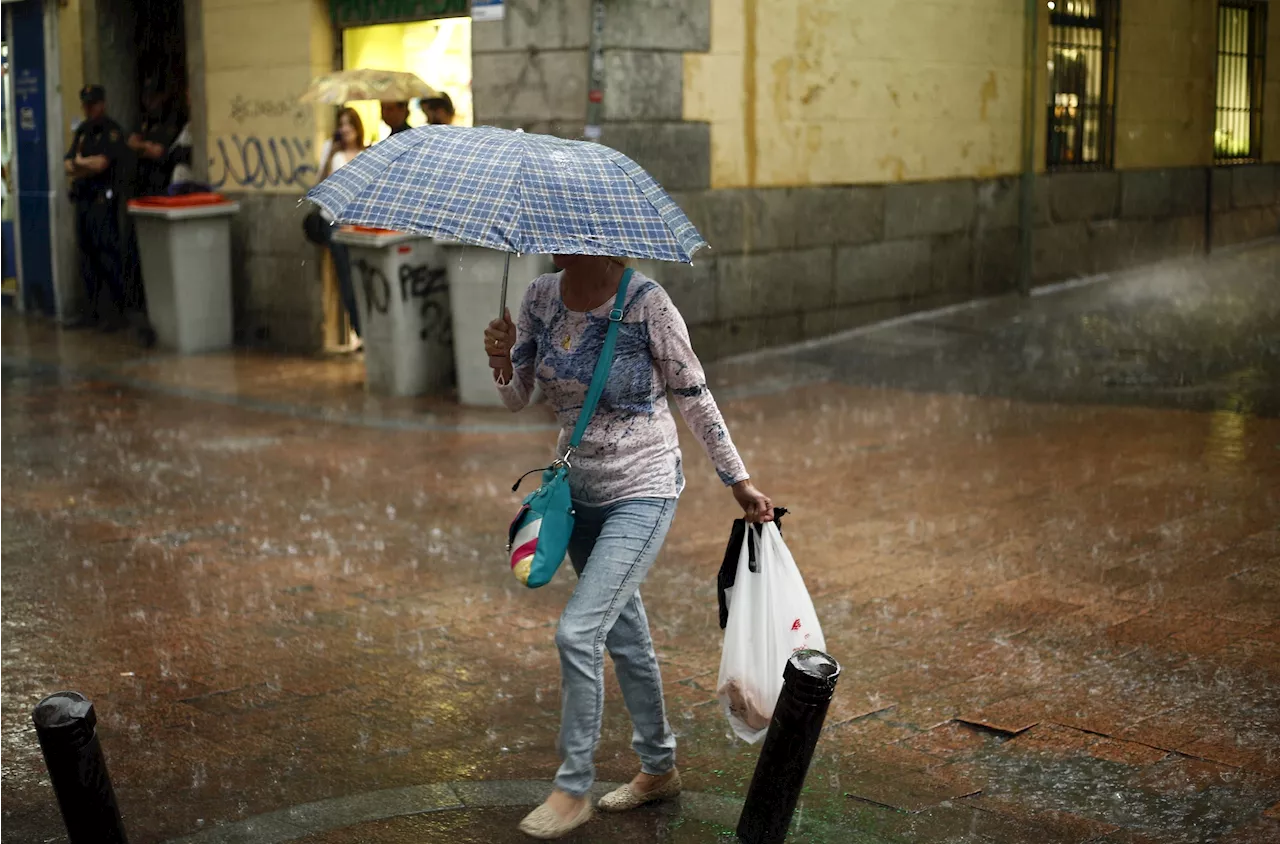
(502, 304)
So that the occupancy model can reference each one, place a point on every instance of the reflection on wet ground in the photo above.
(1054, 589)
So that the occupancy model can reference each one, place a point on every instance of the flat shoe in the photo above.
(627, 798)
(544, 823)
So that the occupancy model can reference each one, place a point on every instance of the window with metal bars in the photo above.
(1242, 47)
(1083, 47)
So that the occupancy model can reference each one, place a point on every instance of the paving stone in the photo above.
(300, 559)
(264, 829)
(504, 793)
(910, 791)
(375, 805)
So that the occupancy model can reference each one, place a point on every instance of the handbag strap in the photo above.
(602, 367)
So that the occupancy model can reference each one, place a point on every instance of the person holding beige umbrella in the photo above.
(393, 88)
(344, 86)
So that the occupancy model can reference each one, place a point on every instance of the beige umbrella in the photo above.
(343, 86)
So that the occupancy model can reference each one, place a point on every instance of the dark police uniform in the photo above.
(96, 203)
(162, 127)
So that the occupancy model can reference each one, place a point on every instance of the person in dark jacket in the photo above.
(91, 164)
(154, 144)
(439, 110)
(396, 116)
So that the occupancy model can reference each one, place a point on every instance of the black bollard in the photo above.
(67, 728)
(809, 681)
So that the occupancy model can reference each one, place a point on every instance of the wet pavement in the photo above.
(1042, 536)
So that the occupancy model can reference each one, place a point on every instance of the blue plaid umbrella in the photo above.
(511, 191)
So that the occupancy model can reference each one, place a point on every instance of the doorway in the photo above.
(159, 80)
(439, 52)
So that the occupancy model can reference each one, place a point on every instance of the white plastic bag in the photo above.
(770, 618)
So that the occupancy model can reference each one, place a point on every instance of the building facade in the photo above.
(847, 161)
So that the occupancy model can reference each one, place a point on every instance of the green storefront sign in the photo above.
(369, 12)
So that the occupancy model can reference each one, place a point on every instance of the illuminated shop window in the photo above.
(1083, 43)
(1242, 42)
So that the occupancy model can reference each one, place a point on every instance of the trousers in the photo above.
(346, 287)
(98, 245)
(612, 549)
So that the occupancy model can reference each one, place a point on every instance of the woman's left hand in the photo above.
(754, 503)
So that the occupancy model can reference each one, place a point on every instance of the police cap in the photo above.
(90, 94)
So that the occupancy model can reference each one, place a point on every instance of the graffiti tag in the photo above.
(423, 283)
(420, 285)
(243, 109)
(254, 162)
(377, 293)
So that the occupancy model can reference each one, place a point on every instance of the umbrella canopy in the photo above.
(346, 85)
(511, 191)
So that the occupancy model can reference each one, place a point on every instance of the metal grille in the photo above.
(1242, 41)
(1083, 43)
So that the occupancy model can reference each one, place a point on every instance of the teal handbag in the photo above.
(538, 539)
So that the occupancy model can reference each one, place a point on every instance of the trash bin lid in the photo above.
(184, 207)
(366, 236)
(189, 200)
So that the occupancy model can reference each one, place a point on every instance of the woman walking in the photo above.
(347, 142)
(626, 477)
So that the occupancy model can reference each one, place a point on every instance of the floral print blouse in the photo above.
(630, 449)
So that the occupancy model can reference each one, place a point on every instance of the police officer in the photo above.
(96, 150)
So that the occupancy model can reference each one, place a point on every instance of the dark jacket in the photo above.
(97, 137)
(154, 174)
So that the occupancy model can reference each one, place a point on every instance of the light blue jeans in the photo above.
(612, 549)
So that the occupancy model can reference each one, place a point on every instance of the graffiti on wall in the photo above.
(420, 286)
(258, 163)
(246, 108)
(272, 148)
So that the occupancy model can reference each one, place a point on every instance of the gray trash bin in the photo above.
(475, 284)
(185, 253)
(402, 294)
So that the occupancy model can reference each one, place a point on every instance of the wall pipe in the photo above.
(1027, 183)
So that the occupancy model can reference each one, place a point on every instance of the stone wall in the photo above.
(262, 150)
(790, 264)
(276, 278)
(844, 92)
(794, 263)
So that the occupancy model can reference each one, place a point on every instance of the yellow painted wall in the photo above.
(70, 65)
(1271, 91)
(260, 56)
(840, 92)
(439, 51)
(1165, 98)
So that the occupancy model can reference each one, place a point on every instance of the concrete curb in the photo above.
(297, 822)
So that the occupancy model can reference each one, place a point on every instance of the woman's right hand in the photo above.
(499, 337)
